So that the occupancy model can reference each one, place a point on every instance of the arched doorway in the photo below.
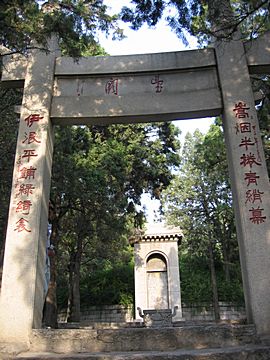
(157, 282)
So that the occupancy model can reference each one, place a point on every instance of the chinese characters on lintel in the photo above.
(112, 85)
(158, 84)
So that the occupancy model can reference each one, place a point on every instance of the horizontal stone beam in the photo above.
(140, 63)
(147, 97)
(13, 70)
(212, 108)
(257, 52)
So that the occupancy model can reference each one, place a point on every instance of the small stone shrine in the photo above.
(157, 280)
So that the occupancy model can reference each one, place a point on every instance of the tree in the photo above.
(99, 174)
(25, 24)
(203, 19)
(199, 201)
(209, 21)
(262, 84)
(76, 23)
(8, 139)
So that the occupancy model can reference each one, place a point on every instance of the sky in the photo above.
(154, 40)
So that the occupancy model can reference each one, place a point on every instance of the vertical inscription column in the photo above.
(249, 180)
(22, 293)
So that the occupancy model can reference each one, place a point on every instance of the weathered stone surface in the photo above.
(252, 231)
(237, 353)
(157, 318)
(198, 342)
(257, 52)
(189, 94)
(146, 339)
(157, 286)
(22, 291)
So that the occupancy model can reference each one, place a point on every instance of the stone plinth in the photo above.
(157, 318)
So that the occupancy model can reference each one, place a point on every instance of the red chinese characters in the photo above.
(251, 178)
(26, 172)
(28, 153)
(250, 159)
(25, 189)
(243, 127)
(111, 86)
(22, 225)
(240, 110)
(254, 195)
(257, 216)
(158, 83)
(30, 138)
(24, 207)
(246, 142)
(31, 119)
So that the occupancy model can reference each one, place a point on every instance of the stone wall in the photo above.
(120, 313)
(205, 311)
(105, 313)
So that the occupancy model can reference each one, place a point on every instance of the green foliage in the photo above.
(76, 23)
(107, 278)
(196, 282)
(111, 284)
(199, 200)
(202, 19)
(231, 291)
(112, 165)
(8, 140)
(264, 123)
(99, 175)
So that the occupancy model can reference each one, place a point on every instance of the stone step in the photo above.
(248, 352)
(142, 339)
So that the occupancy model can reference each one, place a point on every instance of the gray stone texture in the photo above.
(253, 232)
(22, 293)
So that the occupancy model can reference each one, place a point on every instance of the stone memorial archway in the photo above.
(125, 89)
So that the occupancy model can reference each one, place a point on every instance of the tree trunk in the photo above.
(221, 17)
(214, 282)
(50, 306)
(2, 252)
(224, 237)
(70, 287)
(74, 306)
(226, 260)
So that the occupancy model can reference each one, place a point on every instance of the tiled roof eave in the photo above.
(162, 237)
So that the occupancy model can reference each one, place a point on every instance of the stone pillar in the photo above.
(249, 180)
(22, 294)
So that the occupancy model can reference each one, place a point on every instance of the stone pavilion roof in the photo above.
(156, 232)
